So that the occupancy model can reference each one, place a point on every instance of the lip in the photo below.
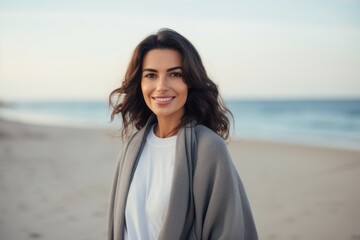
(163, 100)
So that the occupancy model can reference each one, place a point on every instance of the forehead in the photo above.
(162, 58)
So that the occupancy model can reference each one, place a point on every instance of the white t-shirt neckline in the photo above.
(161, 142)
(149, 192)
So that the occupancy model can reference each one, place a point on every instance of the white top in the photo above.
(149, 191)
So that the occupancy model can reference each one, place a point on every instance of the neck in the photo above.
(164, 129)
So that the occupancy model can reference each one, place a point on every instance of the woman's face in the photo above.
(162, 84)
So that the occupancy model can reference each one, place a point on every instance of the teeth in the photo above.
(163, 99)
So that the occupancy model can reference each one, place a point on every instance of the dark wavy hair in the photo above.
(203, 104)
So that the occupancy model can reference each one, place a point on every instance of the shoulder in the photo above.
(205, 137)
(138, 136)
(213, 160)
(135, 141)
(211, 148)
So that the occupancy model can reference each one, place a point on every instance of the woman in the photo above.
(175, 178)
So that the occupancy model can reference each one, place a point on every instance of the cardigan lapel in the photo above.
(130, 159)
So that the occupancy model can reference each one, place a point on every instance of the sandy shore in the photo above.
(55, 184)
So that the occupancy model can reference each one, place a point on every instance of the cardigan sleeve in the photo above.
(222, 210)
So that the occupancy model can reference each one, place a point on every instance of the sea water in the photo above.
(316, 122)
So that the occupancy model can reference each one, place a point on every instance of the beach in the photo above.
(55, 184)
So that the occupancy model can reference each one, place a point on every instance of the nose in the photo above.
(162, 84)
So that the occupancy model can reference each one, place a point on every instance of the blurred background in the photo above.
(288, 70)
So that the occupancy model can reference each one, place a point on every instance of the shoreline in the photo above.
(55, 183)
(110, 127)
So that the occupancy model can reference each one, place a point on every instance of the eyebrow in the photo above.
(168, 70)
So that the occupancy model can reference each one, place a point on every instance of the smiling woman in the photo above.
(164, 89)
(175, 178)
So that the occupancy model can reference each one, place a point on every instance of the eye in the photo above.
(150, 75)
(176, 74)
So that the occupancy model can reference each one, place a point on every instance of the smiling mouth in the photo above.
(163, 100)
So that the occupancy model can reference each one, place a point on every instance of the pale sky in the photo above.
(252, 49)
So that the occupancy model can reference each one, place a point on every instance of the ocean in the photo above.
(332, 123)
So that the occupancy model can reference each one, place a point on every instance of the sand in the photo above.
(55, 184)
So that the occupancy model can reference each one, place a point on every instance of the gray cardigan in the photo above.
(207, 198)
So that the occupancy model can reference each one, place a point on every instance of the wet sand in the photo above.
(55, 184)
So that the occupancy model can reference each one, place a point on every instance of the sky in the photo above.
(252, 49)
